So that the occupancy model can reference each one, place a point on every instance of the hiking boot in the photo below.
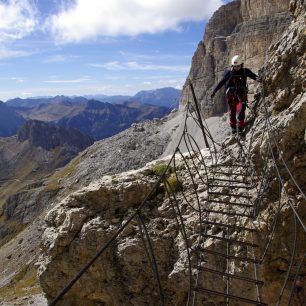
(234, 131)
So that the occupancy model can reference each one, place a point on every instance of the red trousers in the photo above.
(237, 105)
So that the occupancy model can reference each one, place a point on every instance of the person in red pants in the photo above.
(236, 92)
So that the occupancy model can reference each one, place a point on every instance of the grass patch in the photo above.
(114, 180)
(173, 184)
(275, 112)
(160, 169)
(171, 180)
(25, 282)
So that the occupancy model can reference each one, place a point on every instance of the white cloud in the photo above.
(6, 53)
(115, 65)
(176, 83)
(18, 18)
(59, 58)
(55, 59)
(26, 94)
(89, 19)
(17, 79)
(80, 80)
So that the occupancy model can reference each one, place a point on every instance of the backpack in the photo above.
(240, 81)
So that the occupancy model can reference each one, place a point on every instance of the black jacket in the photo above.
(236, 79)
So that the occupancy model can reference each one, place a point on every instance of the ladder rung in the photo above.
(231, 173)
(230, 296)
(230, 256)
(229, 181)
(229, 166)
(231, 240)
(227, 213)
(246, 279)
(230, 226)
(230, 203)
(233, 165)
(230, 194)
(231, 186)
(240, 165)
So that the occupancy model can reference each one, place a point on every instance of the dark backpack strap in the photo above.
(231, 74)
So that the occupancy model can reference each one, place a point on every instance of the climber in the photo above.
(236, 92)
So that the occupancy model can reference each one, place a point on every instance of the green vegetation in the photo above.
(275, 112)
(25, 282)
(114, 180)
(171, 180)
(173, 184)
(160, 169)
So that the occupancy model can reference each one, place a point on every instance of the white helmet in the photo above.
(236, 60)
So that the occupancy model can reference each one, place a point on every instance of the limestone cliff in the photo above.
(241, 27)
(79, 224)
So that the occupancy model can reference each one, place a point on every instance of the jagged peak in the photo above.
(49, 135)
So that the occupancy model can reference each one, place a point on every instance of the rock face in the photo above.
(10, 121)
(283, 94)
(130, 149)
(241, 27)
(284, 91)
(25, 162)
(49, 136)
(84, 221)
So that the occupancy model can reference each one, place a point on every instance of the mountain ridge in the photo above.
(159, 96)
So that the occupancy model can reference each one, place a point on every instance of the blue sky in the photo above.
(79, 47)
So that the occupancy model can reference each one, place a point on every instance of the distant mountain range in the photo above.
(167, 96)
(101, 120)
(96, 118)
(34, 102)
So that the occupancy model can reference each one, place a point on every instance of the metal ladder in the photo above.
(232, 206)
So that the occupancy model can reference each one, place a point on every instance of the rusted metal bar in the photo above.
(230, 296)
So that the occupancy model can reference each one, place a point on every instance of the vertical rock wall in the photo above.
(241, 27)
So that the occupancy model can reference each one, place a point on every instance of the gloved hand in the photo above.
(212, 95)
